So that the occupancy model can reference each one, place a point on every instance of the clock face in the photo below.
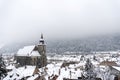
(41, 48)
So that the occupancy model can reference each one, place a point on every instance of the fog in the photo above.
(22, 20)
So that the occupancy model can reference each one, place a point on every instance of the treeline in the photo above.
(101, 43)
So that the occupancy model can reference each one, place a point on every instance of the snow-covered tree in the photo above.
(1, 62)
(82, 58)
(2, 68)
(94, 58)
(88, 65)
(89, 71)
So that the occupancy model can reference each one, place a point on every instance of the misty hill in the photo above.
(101, 43)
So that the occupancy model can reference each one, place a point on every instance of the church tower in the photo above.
(42, 46)
(42, 51)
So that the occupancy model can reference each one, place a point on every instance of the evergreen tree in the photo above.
(2, 68)
(82, 58)
(89, 71)
(94, 58)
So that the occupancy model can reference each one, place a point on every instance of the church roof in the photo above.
(109, 63)
(28, 51)
(35, 53)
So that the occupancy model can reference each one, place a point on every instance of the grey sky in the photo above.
(26, 19)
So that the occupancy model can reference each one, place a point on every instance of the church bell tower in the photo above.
(42, 52)
(41, 45)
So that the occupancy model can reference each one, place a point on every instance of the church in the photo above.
(32, 55)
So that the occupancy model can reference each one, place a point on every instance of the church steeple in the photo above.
(41, 36)
(41, 40)
(42, 51)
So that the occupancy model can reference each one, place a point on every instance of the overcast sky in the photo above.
(27, 19)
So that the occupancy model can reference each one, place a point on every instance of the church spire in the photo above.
(41, 40)
(41, 36)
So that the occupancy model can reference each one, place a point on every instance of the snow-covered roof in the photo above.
(28, 71)
(35, 53)
(18, 73)
(10, 67)
(28, 51)
(118, 68)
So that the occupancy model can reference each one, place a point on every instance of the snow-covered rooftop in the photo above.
(28, 51)
(118, 68)
(18, 73)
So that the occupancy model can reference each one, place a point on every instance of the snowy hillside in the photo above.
(100, 43)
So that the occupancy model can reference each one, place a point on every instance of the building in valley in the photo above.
(32, 55)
